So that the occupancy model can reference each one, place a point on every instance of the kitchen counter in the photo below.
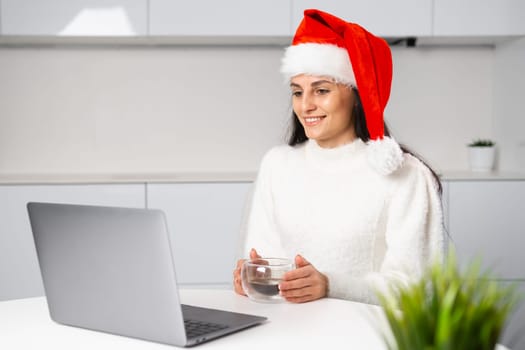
(466, 175)
(207, 177)
(18, 179)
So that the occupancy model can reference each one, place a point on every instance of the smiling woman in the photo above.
(354, 208)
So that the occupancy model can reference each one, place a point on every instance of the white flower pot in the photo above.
(481, 159)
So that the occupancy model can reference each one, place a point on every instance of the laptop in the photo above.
(111, 269)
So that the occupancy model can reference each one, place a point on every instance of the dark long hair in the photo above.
(298, 135)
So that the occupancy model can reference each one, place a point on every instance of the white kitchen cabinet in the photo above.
(204, 220)
(19, 271)
(220, 18)
(486, 221)
(479, 17)
(74, 17)
(513, 337)
(382, 17)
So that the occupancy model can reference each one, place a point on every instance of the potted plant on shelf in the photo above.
(447, 309)
(482, 153)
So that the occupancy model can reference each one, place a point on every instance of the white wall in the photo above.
(441, 100)
(168, 109)
(509, 103)
(138, 109)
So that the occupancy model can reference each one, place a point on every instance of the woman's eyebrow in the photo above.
(320, 82)
(314, 84)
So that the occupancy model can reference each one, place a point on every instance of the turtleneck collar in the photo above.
(329, 157)
(335, 152)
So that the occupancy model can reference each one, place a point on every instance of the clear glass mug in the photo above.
(260, 278)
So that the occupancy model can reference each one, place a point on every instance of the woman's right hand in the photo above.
(237, 285)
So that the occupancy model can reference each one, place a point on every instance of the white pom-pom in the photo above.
(385, 155)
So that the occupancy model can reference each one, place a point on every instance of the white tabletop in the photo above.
(326, 323)
(322, 324)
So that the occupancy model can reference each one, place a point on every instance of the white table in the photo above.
(322, 324)
(326, 323)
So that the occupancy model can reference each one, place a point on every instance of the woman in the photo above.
(355, 210)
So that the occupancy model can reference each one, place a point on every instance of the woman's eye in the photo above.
(322, 91)
(297, 93)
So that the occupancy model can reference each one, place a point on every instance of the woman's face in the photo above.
(324, 108)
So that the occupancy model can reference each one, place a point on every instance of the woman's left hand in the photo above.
(304, 283)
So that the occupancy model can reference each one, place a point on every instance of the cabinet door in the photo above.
(479, 17)
(220, 18)
(204, 221)
(382, 17)
(486, 221)
(19, 271)
(513, 337)
(74, 17)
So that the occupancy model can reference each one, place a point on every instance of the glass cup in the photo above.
(260, 278)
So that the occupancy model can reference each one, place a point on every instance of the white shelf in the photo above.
(28, 179)
(481, 176)
(204, 177)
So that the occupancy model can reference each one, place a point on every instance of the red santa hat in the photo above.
(325, 45)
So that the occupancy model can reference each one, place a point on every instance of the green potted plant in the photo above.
(482, 153)
(447, 310)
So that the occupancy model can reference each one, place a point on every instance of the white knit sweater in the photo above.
(361, 229)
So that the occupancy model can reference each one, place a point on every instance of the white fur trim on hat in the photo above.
(318, 59)
(385, 155)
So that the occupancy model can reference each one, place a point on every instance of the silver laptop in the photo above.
(111, 269)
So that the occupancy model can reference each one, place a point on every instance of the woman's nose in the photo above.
(307, 103)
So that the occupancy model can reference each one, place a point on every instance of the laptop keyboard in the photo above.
(197, 328)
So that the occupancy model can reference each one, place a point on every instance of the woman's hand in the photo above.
(304, 283)
(237, 285)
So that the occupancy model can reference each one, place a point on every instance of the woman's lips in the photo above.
(312, 121)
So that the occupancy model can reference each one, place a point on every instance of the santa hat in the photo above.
(328, 46)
